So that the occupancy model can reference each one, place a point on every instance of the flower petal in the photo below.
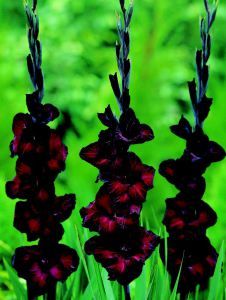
(63, 207)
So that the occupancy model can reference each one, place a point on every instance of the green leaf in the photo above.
(17, 285)
(215, 289)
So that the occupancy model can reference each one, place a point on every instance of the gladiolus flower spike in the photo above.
(41, 156)
(126, 180)
(187, 217)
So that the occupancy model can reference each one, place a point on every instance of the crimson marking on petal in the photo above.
(90, 152)
(148, 177)
(56, 272)
(34, 225)
(117, 187)
(138, 191)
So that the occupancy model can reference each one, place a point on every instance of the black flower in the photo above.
(43, 267)
(123, 255)
(197, 259)
(185, 175)
(106, 215)
(43, 222)
(186, 218)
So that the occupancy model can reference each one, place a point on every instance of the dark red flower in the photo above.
(57, 153)
(198, 144)
(198, 260)
(43, 223)
(185, 175)
(36, 224)
(116, 139)
(38, 164)
(100, 155)
(127, 129)
(43, 195)
(123, 255)
(215, 152)
(186, 218)
(43, 267)
(107, 118)
(36, 187)
(63, 206)
(39, 141)
(21, 122)
(201, 147)
(183, 129)
(19, 188)
(131, 131)
(24, 168)
(41, 113)
(131, 180)
(105, 215)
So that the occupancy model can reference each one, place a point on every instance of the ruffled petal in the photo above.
(215, 152)
(42, 268)
(197, 260)
(123, 255)
(131, 131)
(63, 207)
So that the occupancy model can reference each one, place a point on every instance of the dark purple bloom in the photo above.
(131, 131)
(41, 113)
(41, 156)
(21, 123)
(37, 222)
(184, 175)
(123, 255)
(187, 218)
(127, 129)
(183, 129)
(131, 180)
(31, 138)
(197, 258)
(116, 139)
(202, 148)
(44, 267)
(100, 155)
(106, 215)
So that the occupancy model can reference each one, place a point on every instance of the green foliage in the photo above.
(78, 40)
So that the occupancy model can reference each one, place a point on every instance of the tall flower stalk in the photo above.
(41, 157)
(188, 217)
(122, 245)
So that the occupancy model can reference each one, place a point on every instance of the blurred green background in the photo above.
(78, 39)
